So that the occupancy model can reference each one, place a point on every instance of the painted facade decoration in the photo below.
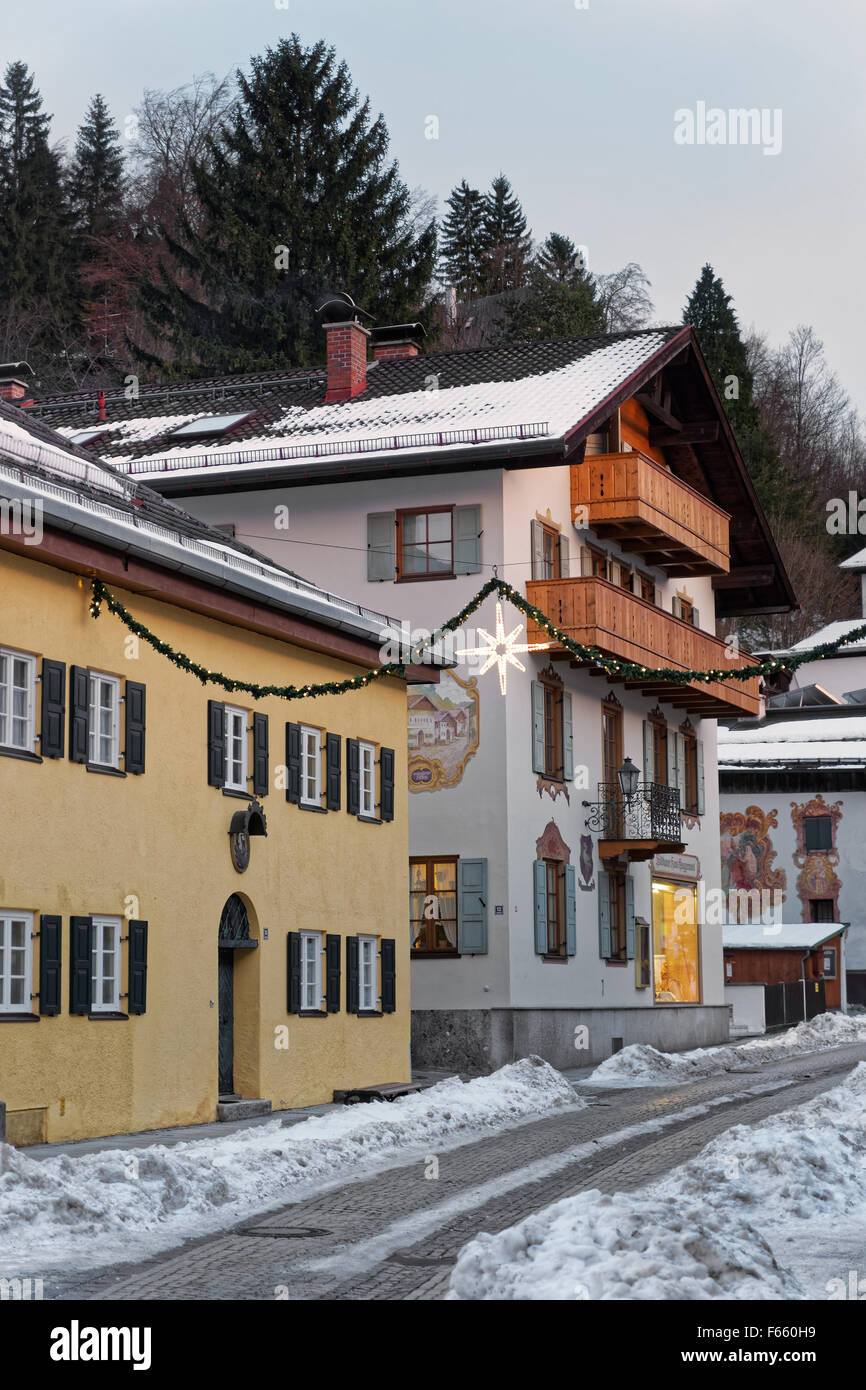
(587, 871)
(817, 878)
(747, 851)
(550, 844)
(443, 732)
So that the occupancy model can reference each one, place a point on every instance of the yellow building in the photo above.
(266, 964)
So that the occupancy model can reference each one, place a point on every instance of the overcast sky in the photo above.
(575, 101)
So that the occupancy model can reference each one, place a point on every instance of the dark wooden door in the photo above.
(226, 1022)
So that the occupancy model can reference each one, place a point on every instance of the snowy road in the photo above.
(396, 1235)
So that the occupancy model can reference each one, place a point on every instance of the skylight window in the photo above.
(83, 437)
(208, 425)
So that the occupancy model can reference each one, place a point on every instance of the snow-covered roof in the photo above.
(822, 739)
(783, 936)
(831, 633)
(855, 562)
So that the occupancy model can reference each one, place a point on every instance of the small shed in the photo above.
(801, 966)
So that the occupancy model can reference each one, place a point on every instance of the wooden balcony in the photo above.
(620, 624)
(652, 513)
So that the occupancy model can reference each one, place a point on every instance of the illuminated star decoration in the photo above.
(500, 650)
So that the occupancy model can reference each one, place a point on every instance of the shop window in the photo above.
(676, 952)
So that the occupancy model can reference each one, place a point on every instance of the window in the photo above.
(367, 774)
(425, 544)
(433, 904)
(236, 749)
(822, 909)
(17, 690)
(596, 562)
(311, 766)
(105, 965)
(555, 888)
(553, 730)
(103, 724)
(618, 909)
(311, 971)
(549, 553)
(611, 735)
(685, 609)
(367, 996)
(549, 550)
(829, 962)
(647, 587)
(16, 954)
(658, 758)
(689, 778)
(676, 961)
(818, 836)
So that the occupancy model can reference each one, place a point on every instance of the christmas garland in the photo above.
(612, 666)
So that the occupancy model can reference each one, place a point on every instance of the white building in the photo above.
(598, 477)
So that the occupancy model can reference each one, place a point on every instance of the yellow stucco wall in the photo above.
(78, 843)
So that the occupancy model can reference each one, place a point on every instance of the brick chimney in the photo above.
(398, 340)
(12, 388)
(346, 338)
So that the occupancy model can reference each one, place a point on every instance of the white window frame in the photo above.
(6, 740)
(96, 679)
(367, 779)
(101, 927)
(25, 1005)
(311, 972)
(311, 752)
(368, 975)
(236, 723)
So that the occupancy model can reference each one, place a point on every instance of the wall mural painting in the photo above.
(817, 877)
(747, 851)
(443, 731)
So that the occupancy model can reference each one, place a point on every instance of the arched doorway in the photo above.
(234, 935)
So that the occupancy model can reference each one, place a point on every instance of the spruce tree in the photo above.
(552, 308)
(96, 180)
(559, 260)
(462, 241)
(297, 198)
(507, 244)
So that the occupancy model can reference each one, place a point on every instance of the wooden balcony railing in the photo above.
(651, 512)
(620, 624)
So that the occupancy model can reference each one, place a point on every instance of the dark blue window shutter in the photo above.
(80, 964)
(50, 953)
(386, 784)
(136, 708)
(353, 777)
(333, 772)
(216, 744)
(603, 915)
(472, 907)
(352, 980)
(570, 910)
(333, 946)
(53, 709)
(260, 755)
(137, 998)
(629, 918)
(79, 704)
(293, 972)
(293, 763)
(389, 975)
(539, 883)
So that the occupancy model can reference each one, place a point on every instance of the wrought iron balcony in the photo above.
(651, 817)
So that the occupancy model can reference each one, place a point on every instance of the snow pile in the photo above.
(82, 1210)
(706, 1230)
(643, 1065)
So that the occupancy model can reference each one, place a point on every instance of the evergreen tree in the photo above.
(462, 241)
(96, 180)
(552, 308)
(298, 197)
(559, 260)
(507, 245)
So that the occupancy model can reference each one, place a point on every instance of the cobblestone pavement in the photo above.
(396, 1235)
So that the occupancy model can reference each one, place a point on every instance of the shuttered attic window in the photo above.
(207, 426)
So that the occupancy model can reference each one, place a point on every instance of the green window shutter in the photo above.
(603, 915)
(333, 772)
(570, 910)
(539, 881)
(676, 607)
(293, 972)
(563, 557)
(673, 763)
(53, 709)
(381, 558)
(79, 714)
(629, 917)
(659, 597)
(50, 953)
(216, 744)
(567, 737)
(135, 731)
(388, 947)
(648, 760)
(538, 761)
(681, 763)
(467, 540)
(260, 755)
(352, 975)
(137, 985)
(386, 784)
(80, 964)
(353, 777)
(696, 618)
(472, 907)
(536, 531)
(585, 561)
(333, 947)
(702, 803)
(293, 763)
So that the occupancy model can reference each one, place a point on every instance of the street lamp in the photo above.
(628, 778)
